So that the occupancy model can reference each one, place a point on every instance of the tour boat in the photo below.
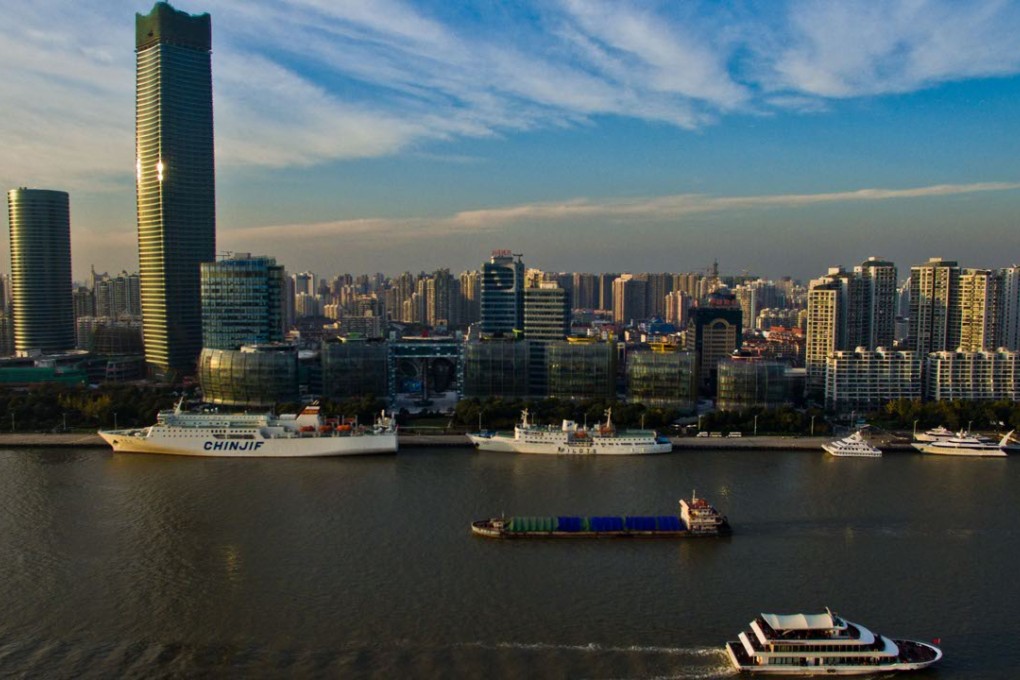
(257, 435)
(823, 644)
(570, 438)
(966, 445)
(853, 446)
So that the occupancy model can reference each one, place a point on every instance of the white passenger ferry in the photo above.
(570, 438)
(823, 644)
(855, 446)
(263, 435)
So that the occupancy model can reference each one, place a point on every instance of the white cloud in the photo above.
(299, 82)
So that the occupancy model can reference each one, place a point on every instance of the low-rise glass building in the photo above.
(581, 368)
(496, 368)
(354, 367)
(663, 377)
(751, 383)
(254, 376)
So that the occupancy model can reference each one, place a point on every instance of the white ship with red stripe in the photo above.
(255, 435)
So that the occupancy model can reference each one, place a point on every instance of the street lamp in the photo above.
(756, 426)
(812, 426)
(915, 429)
(115, 420)
(699, 421)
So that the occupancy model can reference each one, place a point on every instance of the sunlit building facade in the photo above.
(175, 182)
(43, 311)
(663, 376)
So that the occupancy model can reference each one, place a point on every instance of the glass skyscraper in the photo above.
(175, 182)
(242, 302)
(41, 270)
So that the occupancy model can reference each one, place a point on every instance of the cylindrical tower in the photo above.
(41, 270)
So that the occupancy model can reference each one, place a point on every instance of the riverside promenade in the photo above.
(443, 440)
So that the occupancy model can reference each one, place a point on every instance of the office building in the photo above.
(751, 382)
(502, 294)
(581, 368)
(43, 310)
(175, 182)
(718, 330)
(242, 301)
(354, 368)
(252, 376)
(546, 319)
(497, 367)
(663, 376)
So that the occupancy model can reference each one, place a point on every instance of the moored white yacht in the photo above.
(853, 446)
(823, 644)
(964, 444)
(933, 435)
(570, 438)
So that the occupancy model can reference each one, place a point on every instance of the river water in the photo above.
(148, 566)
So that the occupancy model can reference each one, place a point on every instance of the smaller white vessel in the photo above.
(823, 644)
(963, 444)
(854, 446)
(572, 439)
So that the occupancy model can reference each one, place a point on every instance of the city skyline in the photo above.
(590, 136)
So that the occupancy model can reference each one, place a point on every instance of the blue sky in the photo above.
(778, 137)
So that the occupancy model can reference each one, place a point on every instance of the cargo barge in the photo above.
(697, 518)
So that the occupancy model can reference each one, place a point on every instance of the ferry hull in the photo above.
(282, 447)
(787, 670)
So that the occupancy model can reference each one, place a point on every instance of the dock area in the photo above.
(11, 440)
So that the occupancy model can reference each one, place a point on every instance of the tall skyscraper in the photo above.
(502, 293)
(175, 181)
(717, 332)
(40, 223)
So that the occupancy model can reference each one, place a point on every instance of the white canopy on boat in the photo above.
(780, 622)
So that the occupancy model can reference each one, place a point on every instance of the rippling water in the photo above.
(128, 565)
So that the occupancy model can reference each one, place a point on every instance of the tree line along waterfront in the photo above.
(60, 408)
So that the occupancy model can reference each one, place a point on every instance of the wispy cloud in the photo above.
(301, 82)
(658, 209)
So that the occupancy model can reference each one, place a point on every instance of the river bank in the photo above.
(409, 440)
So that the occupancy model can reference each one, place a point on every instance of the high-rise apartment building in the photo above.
(242, 302)
(934, 306)
(630, 299)
(1009, 323)
(826, 323)
(40, 222)
(871, 317)
(502, 294)
(175, 181)
(980, 309)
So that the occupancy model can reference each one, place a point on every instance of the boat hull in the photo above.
(787, 670)
(507, 444)
(260, 447)
(833, 451)
(934, 448)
